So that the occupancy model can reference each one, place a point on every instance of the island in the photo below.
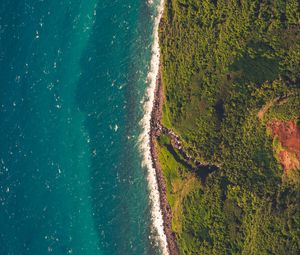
(225, 127)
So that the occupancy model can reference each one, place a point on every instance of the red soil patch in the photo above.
(288, 134)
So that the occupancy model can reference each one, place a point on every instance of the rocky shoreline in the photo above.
(155, 131)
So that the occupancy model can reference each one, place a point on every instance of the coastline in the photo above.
(228, 128)
(155, 130)
(161, 214)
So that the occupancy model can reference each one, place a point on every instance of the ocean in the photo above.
(73, 126)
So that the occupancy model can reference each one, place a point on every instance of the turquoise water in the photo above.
(72, 78)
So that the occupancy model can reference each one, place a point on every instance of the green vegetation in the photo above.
(179, 181)
(228, 68)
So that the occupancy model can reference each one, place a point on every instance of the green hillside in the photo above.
(230, 68)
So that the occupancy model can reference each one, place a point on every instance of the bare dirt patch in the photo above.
(288, 135)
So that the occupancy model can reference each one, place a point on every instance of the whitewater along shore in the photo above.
(155, 130)
(202, 169)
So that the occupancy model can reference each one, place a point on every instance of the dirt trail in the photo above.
(267, 106)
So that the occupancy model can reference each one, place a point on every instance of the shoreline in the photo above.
(155, 123)
(161, 214)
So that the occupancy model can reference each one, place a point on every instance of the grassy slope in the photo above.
(222, 62)
(179, 181)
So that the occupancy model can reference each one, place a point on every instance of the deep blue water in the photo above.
(72, 77)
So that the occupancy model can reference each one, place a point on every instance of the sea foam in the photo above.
(156, 213)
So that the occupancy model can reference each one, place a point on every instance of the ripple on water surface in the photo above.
(71, 80)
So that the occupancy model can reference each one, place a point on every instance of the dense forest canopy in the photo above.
(230, 69)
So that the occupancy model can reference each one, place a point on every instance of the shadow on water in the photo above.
(108, 94)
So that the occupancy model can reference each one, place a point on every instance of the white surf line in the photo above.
(156, 213)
